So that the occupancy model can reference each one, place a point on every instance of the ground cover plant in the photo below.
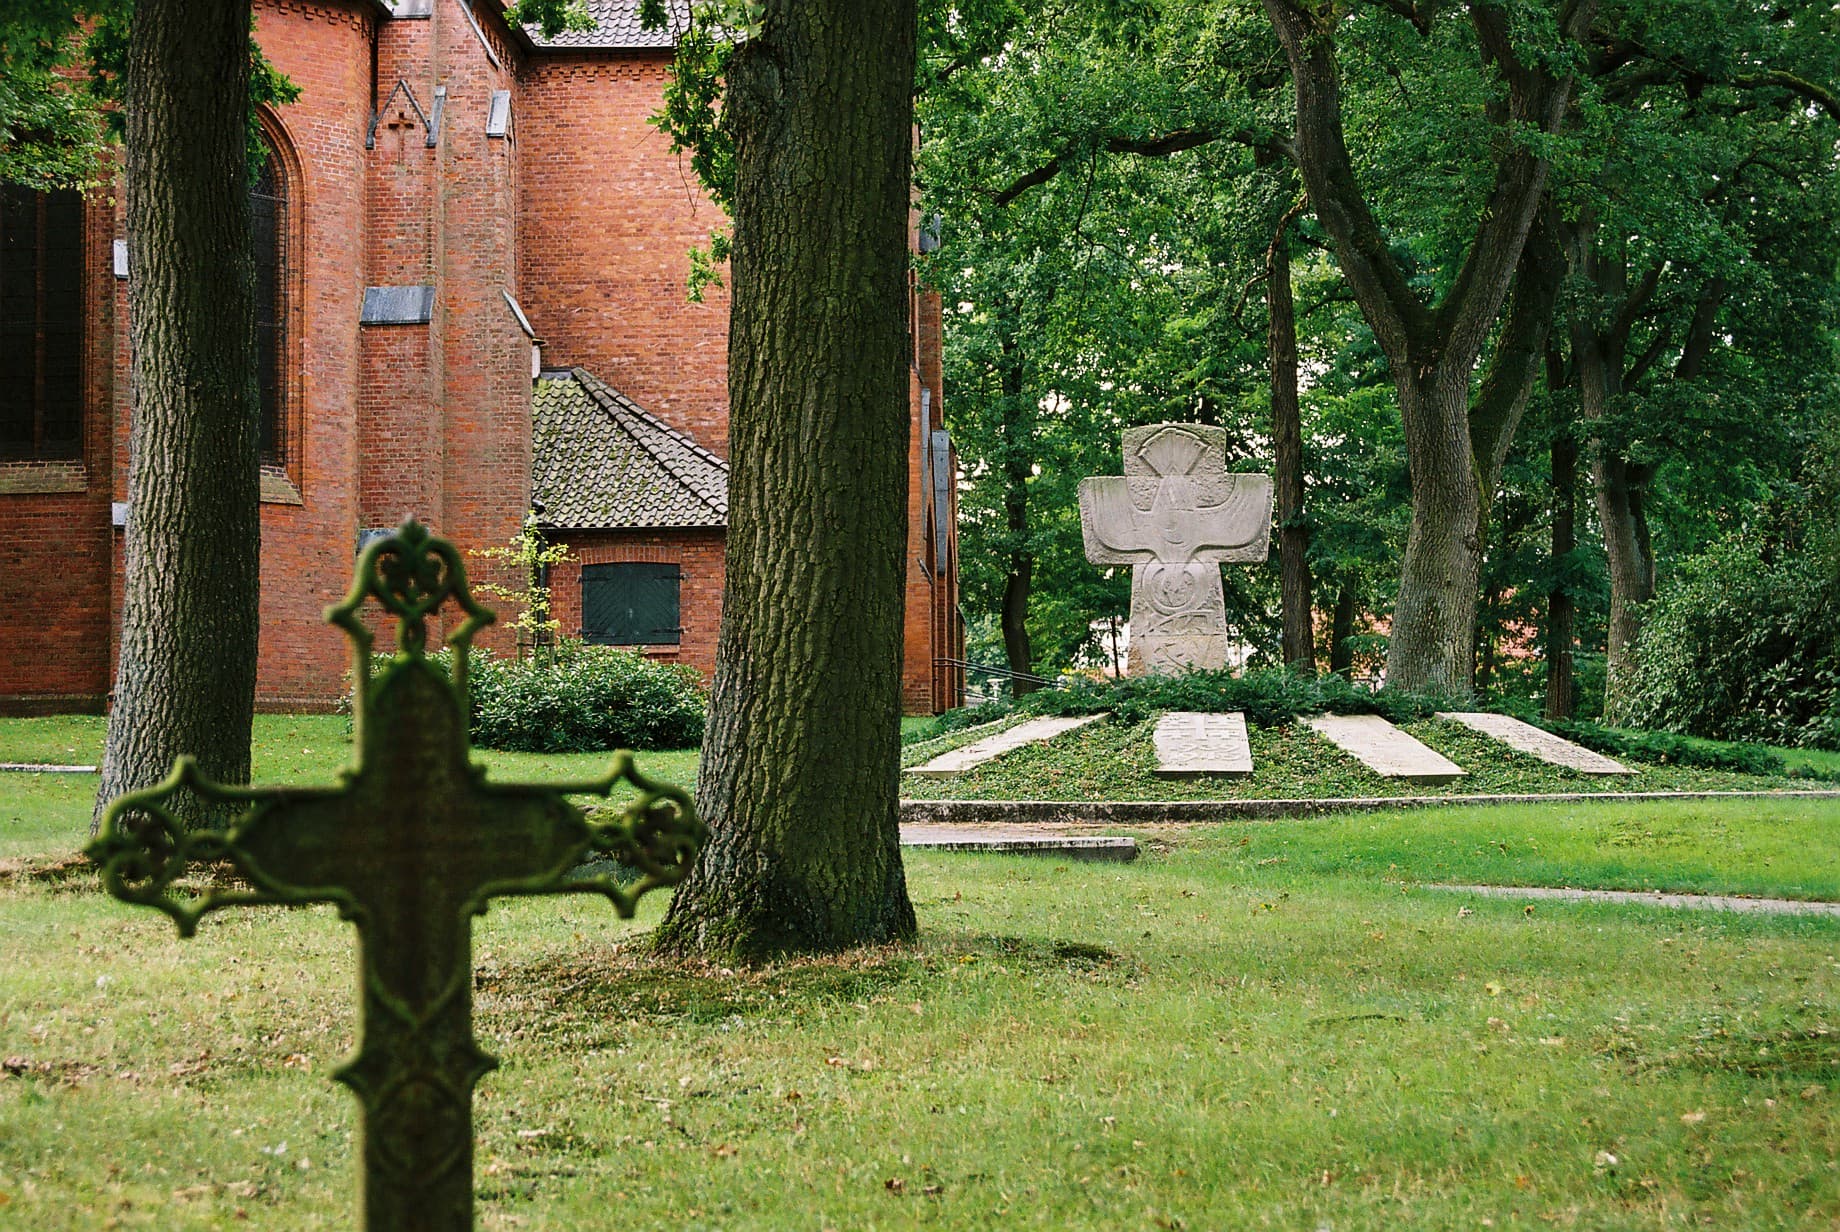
(1115, 759)
(1254, 1024)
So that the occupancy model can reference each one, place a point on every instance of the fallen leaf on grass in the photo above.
(895, 1185)
(1692, 1118)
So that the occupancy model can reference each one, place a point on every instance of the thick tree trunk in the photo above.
(1560, 611)
(801, 765)
(186, 680)
(1631, 566)
(1341, 631)
(1299, 638)
(1431, 646)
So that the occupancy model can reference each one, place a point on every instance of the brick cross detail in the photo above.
(410, 846)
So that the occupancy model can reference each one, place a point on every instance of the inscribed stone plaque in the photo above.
(1189, 745)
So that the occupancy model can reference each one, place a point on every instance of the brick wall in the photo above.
(608, 220)
(697, 552)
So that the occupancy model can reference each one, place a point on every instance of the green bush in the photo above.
(1743, 645)
(583, 699)
(1269, 697)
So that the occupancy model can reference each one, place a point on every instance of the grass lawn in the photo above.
(1255, 1025)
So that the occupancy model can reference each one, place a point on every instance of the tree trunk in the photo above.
(1560, 612)
(1432, 349)
(186, 679)
(1015, 616)
(1299, 639)
(1018, 463)
(1341, 632)
(1430, 648)
(801, 764)
(1631, 567)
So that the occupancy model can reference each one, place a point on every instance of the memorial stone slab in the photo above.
(410, 846)
(1526, 738)
(991, 747)
(1190, 745)
(1175, 516)
(1384, 749)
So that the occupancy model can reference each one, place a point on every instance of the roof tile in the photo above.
(599, 462)
(617, 26)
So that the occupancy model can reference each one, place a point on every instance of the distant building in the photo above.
(472, 253)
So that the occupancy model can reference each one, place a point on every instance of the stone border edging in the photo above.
(27, 767)
(1128, 812)
(1652, 898)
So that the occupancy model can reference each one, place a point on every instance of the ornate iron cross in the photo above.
(411, 845)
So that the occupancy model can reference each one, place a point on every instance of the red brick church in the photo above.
(471, 306)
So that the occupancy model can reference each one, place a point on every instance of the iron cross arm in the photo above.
(413, 843)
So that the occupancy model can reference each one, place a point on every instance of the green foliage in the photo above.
(585, 698)
(582, 699)
(1668, 748)
(1745, 645)
(531, 559)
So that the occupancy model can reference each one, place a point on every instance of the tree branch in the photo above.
(1149, 147)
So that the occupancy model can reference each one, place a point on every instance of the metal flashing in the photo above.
(498, 116)
(412, 305)
(517, 310)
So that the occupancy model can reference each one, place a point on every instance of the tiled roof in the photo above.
(598, 462)
(616, 25)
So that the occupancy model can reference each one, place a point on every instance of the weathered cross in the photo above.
(410, 847)
(1176, 515)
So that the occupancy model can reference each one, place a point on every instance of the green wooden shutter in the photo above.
(631, 604)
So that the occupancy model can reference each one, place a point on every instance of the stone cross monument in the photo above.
(411, 845)
(1176, 515)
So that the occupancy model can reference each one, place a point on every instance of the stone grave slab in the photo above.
(991, 747)
(1384, 749)
(1190, 745)
(1526, 738)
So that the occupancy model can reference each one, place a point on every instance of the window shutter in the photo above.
(631, 604)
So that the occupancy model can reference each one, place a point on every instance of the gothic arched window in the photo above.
(268, 208)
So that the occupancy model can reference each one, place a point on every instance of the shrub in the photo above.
(585, 699)
(1269, 698)
(1743, 645)
(582, 699)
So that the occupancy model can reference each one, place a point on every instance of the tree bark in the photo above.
(1560, 609)
(1431, 350)
(1294, 585)
(801, 764)
(1341, 631)
(1018, 584)
(186, 677)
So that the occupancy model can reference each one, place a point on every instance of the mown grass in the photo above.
(1208, 1038)
(1111, 760)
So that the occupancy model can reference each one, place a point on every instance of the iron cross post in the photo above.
(411, 845)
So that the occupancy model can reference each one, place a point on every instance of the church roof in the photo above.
(617, 27)
(599, 462)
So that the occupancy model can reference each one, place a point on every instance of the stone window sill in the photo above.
(20, 478)
(278, 489)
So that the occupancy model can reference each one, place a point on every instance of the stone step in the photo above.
(1190, 745)
(1384, 749)
(1526, 738)
(990, 747)
(1000, 843)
